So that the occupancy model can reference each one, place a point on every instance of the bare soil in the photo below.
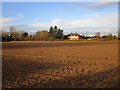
(60, 64)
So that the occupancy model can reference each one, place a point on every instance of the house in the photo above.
(73, 36)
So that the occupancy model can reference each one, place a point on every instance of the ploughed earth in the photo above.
(60, 64)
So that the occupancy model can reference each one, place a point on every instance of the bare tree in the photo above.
(97, 35)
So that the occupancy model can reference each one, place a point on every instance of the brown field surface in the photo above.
(60, 64)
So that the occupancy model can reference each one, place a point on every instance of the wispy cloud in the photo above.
(100, 5)
(42, 25)
(89, 24)
(105, 23)
(5, 20)
(20, 15)
(76, 19)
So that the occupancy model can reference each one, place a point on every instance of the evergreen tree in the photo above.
(59, 34)
(51, 32)
(55, 31)
(55, 28)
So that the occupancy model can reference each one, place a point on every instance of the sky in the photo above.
(82, 17)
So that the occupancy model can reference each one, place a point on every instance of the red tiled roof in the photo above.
(73, 34)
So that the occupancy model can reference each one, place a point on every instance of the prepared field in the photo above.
(60, 64)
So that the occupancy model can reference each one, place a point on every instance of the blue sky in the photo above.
(82, 17)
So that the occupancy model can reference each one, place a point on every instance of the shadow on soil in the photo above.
(12, 69)
(105, 79)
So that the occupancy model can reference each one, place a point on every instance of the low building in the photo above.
(73, 36)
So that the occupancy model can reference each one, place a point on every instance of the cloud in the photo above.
(41, 25)
(8, 19)
(99, 5)
(5, 20)
(20, 15)
(91, 23)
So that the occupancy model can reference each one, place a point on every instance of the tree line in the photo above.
(54, 33)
